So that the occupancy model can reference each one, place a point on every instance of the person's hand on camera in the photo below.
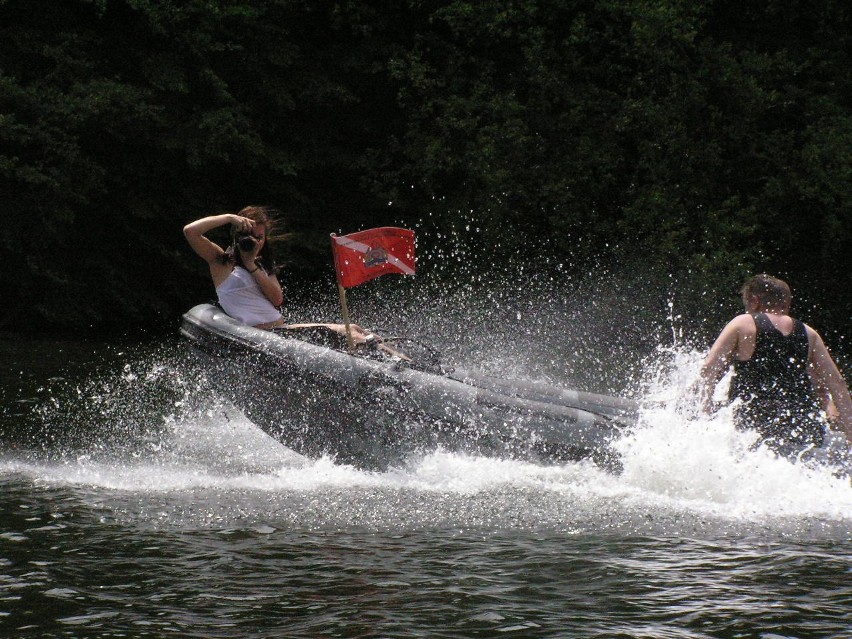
(242, 224)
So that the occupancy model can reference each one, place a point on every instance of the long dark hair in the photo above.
(261, 215)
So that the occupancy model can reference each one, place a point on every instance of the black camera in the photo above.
(246, 242)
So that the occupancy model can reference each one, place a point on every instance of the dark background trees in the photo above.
(693, 142)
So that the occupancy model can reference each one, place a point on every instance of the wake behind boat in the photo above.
(373, 410)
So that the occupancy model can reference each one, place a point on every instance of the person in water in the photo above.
(788, 384)
(243, 274)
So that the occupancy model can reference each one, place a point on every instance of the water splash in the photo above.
(680, 457)
(212, 467)
(152, 442)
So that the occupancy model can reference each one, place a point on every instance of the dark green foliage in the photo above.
(693, 141)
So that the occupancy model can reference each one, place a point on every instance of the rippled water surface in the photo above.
(167, 513)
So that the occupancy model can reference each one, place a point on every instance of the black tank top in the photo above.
(775, 387)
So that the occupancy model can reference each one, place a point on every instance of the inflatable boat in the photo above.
(375, 409)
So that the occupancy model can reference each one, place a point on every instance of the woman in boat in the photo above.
(243, 274)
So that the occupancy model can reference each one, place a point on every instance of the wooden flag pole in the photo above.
(350, 341)
(345, 307)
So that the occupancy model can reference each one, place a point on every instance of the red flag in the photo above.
(360, 257)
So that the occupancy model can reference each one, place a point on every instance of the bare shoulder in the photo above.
(742, 324)
(812, 333)
(739, 328)
(814, 340)
(219, 271)
(736, 339)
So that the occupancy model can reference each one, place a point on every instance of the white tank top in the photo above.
(241, 298)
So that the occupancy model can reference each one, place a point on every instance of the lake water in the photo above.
(137, 503)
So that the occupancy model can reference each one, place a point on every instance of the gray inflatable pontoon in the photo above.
(374, 411)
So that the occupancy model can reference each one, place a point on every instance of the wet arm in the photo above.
(194, 233)
(827, 377)
(717, 362)
(270, 286)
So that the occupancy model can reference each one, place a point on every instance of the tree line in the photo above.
(700, 140)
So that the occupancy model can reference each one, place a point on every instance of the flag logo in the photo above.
(375, 257)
